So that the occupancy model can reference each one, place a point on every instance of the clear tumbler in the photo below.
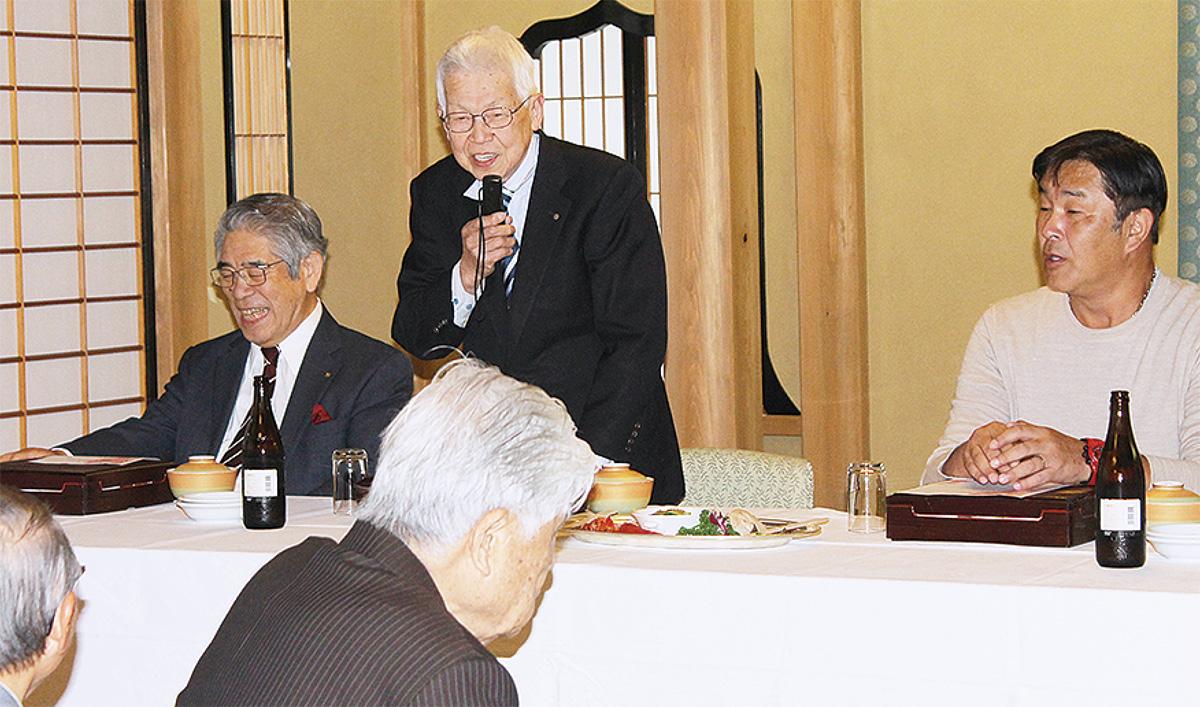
(866, 497)
(349, 476)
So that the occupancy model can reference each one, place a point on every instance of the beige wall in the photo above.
(958, 98)
(773, 56)
(349, 103)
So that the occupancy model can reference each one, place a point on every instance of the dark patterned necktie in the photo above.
(233, 456)
(508, 276)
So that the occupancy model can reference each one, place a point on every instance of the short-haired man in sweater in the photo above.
(1032, 400)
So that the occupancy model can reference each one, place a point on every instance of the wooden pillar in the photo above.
(709, 219)
(180, 237)
(831, 240)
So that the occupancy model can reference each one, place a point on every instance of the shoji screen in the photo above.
(72, 334)
(582, 80)
(257, 102)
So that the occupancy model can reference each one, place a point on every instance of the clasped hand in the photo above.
(1019, 453)
(498, 244)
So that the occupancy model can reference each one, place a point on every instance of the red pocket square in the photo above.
(319, 415)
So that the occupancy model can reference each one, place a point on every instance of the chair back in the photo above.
(746, 479)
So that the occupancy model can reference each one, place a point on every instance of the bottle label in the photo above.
(260, 482)
(1119, 514)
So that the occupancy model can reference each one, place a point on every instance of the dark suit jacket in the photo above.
(353, 623)
(361, 384)
(587, 318)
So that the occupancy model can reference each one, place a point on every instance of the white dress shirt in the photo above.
(287, 367)
(519, 186)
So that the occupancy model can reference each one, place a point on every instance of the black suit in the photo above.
(587, 318)
(360, 384)
(353, 623)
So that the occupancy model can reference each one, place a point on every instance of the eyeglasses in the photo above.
(494, 118)
(253, 275)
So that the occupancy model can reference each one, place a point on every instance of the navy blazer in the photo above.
(587, 318)
(360, 383)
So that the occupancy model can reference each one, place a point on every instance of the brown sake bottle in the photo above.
(264, 504)
(1120, 492)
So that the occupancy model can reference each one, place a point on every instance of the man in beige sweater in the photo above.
(1031, 405)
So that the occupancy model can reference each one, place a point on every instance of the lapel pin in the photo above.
(555, 217)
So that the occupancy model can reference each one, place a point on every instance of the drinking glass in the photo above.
(866, 497)
(349, 477)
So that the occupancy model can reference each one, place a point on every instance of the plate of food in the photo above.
(713, 529)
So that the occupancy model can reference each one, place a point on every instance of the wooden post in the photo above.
(709, 219)
(831, 240)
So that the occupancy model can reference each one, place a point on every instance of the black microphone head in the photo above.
(493, 194)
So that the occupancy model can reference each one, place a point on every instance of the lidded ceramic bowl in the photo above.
(1170, 502)
(201, 474)
(619, 489)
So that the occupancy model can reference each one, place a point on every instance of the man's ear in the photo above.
(311, 268)
(537, 108)
(487, 539)
(62, 627)
(1136, 229)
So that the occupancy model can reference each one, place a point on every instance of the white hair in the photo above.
(483, 50)
(37, 570)
(472, 441)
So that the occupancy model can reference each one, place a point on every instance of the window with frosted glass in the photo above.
(257, 98)
(583, 81)
(72, 289)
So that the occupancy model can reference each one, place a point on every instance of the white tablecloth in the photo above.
(156, 588)
(846, 619)
(839, 619)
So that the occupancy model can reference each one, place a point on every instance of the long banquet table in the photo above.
(839, 619)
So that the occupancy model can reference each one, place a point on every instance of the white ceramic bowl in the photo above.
(225, 507)
(220, 498)
(1176, 541)
(653, 518)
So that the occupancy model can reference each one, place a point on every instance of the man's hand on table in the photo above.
(973, 459)
(1019, 453)
(29, 453)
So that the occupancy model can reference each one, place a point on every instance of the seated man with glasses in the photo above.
(333, 387)
(38, 571)
(569, 291)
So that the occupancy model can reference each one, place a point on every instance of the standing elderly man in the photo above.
(451, 550)
(333, 387)
(569, 290)
(1032, 399)
(38, 571)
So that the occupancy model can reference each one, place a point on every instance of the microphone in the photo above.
(493, 201)
(493, 195)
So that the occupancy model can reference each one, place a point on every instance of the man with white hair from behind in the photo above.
(451, 550)
(38, 571)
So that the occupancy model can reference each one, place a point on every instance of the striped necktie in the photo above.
(233, 456)
(507, 260)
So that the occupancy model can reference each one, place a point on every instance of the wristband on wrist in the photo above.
(1091, 456)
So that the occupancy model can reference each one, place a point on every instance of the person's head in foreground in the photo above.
(270, 258)
(38, 571)
(1101, 195)
(476, 475)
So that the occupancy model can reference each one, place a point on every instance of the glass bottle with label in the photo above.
(1120, 492)
(264, 504)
